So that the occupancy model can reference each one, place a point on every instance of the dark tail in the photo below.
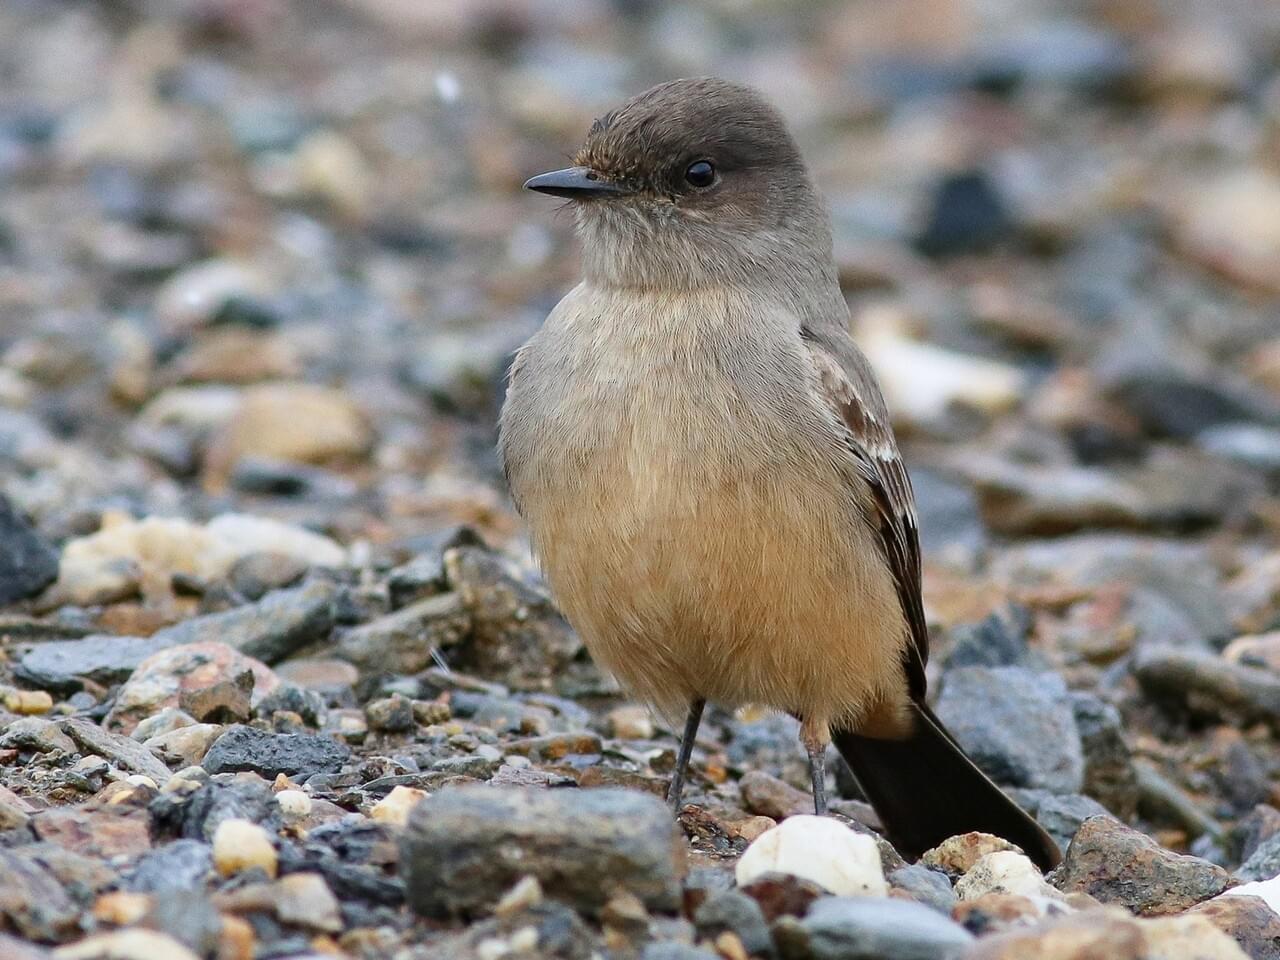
(925, 789)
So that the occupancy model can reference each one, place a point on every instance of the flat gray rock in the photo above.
(465, 847)
(874, 928)
(1016, 724)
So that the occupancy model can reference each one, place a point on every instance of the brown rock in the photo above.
(556, 746)
(296, 422)
(161, 680)
(1116, 864)
(238, 355)
(1110, 935)
(957, 855)
(226, 701)
(1249, 921)
(32, 901)
(783, 895)
(517, 635)
(99, 833)
(767, 796)
(995, 911)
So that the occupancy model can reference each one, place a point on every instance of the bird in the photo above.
(707, 470)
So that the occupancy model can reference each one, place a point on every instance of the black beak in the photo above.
(575, 183)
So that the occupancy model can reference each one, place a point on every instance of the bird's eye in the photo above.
(700, 173)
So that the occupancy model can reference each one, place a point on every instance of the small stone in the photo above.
(264, 540)
(305, 900)
(1249, 916)
(185, 746)
(1111, 934)
(1004, 871)
(270, 754)
(64, 665)
(517, 635)
(28, 702)
(296, 422)
(166, 721)
(268, 630)
(201, 805)
(1228, 223)
(393, 714)
(999, 911)
(227, 701)
(180, 865)
(258, 574)
(465, 846)
(34, 902)
(525, 894)
(28, 563)
(159, 682)
(928, 886)
(818, 849)
(967, 215)
(1212, 684)
(111, 832)
(1062, 814)
(121, 908)
(1109, 775)
(121, 751)
(782, 895)
(192, 297)
(395, 807)
(35, 734)
(239, 845)
(238, 355)
(135, 943)
(1016, 724)
(734, 912)
(294, 804)
(957, 855)
(556, 746)
(766, 795)
(924, 382)
(1264, 862)
(1255, 650)
(842, 928)
(630, 722)
(1116, 864)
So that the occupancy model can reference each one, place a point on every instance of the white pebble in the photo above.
(1004, 871)
(294, 804)
(240, 845)
(819, 849)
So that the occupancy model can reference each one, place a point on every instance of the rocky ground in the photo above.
(270, 642)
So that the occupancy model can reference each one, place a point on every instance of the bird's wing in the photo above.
(849, 386)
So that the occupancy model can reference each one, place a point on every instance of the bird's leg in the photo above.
(691, 724)
(815, 736)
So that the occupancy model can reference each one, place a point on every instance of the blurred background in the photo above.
(273, 256)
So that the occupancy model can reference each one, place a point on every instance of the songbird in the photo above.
(706, 464)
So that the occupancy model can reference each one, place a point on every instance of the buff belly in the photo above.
(758, 588)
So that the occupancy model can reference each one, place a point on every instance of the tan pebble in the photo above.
(121, 908)
(395, 806)
(136, 943)
(631, 722)
(750, 827)
(527, 892)
(305, 900)
(28, 702)
(237, 940)
(524, 940)
(294, 804)
(240, 845)
(729, 945)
